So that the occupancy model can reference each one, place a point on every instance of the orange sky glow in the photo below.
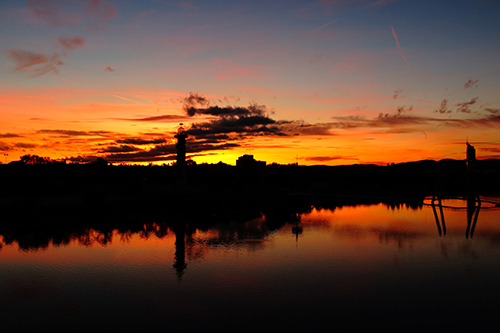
(313, 82)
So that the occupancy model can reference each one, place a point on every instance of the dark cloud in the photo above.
(397, 92)
(493, 111)
(462, 107)
(69, 133)
(161, 119)
(166, 152)
(491, 149)
(328, 158)
(194, 100)
(215, 137)
(120, 149)
(24, 145)
(398, 113)
(196, 104)
(303, 128)
(4, 146)
(465, 107)
(236, 125)
(227, 111)
(242, 122)
(389, 122)
(251, 120)
(10, 135)
(60, 13)
(40, 63)
(488, 121)
(471, 84)
(444, 107)
(396, 123)
(138, 141)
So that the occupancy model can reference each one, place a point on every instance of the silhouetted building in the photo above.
(100, 161)
(247, 161)
(471, 157)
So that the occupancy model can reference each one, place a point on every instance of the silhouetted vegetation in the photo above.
(35, 159)
(99, 188)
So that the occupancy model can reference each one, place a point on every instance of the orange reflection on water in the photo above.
(121, 247)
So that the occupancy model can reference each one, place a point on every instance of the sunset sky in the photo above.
(318, 81)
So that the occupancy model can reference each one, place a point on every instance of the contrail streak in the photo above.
(397, 43)
(130, 100)
(323, 26)
(60, 78)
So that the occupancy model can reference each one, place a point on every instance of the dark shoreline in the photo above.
(93, 190)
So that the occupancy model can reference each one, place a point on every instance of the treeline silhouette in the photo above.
(97, 180)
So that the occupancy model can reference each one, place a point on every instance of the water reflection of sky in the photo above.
(358, 265)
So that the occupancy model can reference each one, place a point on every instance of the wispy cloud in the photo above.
(396, 96)
(465, 106)
(68, 133)
(41, 63)
(444, 107)
(168, 118)
(228, 71)
(471, 84)
(328, 158)
(381, 3)
(399, 122)
(59, 13)
(139, 141)
(10, 135)
(322, 27)
(397, 43)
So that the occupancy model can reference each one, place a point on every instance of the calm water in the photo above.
(350, 268)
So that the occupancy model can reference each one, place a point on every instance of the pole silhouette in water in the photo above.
(472, 196)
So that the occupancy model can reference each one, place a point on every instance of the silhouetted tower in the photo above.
(471, 157)
(181, 154)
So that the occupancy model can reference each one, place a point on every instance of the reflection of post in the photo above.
(475, 217)
(180, 250)
(442, 216)
(437, 217)
(297, 230)
(472, 211)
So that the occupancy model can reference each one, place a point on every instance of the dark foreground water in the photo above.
(358, 267)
